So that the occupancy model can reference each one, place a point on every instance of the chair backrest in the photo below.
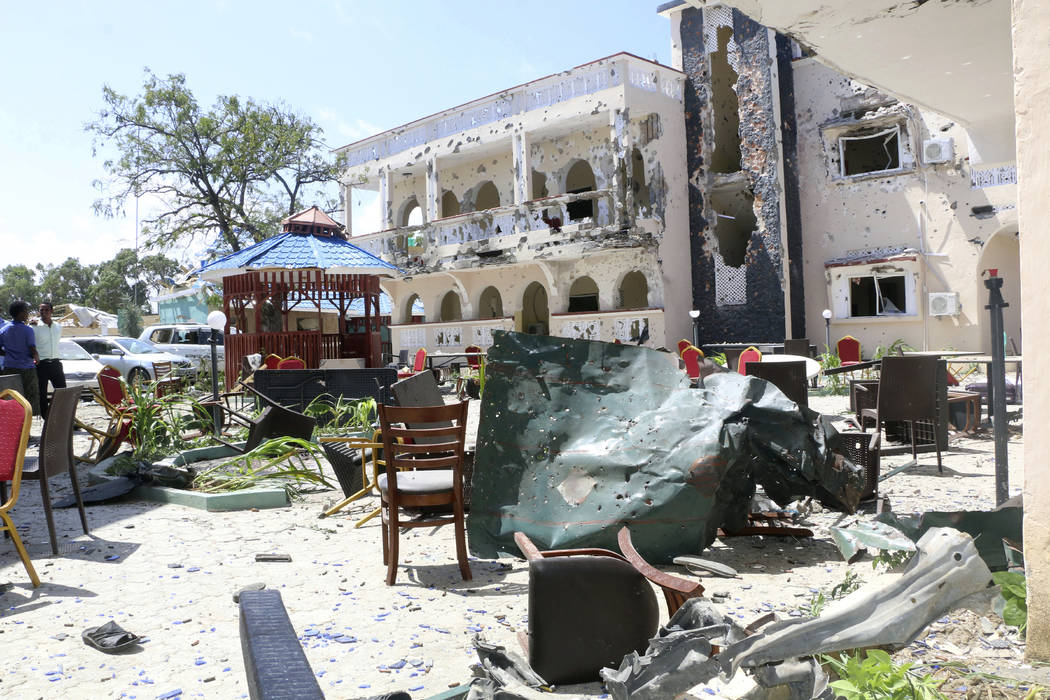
(797, 346)
(277, 421)
(682, 345)
(473, 361)
(15, 418)
(848, 349)
(789, 377)
(271, 361)
(111, 386)
(56, 442)
(291, 363)
(421, 360)
(161, 370)
(438, 446)
(907, 388)
(402, 357)
(692, 356)
(751, 354)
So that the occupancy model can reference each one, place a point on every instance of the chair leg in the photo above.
(391, 567)
(461, 539)
(80, 501)
(9, 527)
(386, 536)
(914, 452)
(45, 496)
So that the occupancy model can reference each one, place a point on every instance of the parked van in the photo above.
(187, 339)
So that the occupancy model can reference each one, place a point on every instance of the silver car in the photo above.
(134, 358)
(78, 365)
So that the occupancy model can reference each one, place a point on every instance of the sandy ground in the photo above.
(169, 572)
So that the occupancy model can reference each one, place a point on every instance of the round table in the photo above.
(812, 366)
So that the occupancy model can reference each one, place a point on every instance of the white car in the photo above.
(187, 339)
(78, 365)
(134, 358)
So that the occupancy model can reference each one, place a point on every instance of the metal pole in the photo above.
(696, 332)
(216, 409)
(997, 388)
(827, 335)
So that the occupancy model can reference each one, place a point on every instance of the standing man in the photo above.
(49, 364)
(18, 342)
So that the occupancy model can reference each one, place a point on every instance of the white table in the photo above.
(812, 366)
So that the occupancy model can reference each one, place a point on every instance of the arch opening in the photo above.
(487, 197)
(634, 291)
(580, 179)
(411, 213)
(451, 309)
(490, 305)
(449, 204)
(583, 295)
(407, 315)
(535, 314)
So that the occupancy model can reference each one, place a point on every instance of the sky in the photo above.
(356, 68)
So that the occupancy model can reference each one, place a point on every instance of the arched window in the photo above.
(583, 295)
(487, 197)
(449, 204)
(634, 291)
(413, 309)
(580, 179)
(450, 307)
(491, 304)
(411, 213)
(643, 206)
(535, 315)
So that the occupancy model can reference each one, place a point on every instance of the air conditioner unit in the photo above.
(938, 150)
(944, 303)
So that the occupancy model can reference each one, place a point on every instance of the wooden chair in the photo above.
(271, 361)
(166, 381)
(112, 395)
(676, 590)
(56, 456)
(789, 377)
(432, 462)
(682, 345)
(291, 362)
(418, 365)
(907, 392)
(692, 356)
(15, 418)
(751, 354)
(848, 349)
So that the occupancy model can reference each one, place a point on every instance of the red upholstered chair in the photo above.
(848, 349)
(291, 363)
(682, 345)
(271, 361)
(112, 395)
(751, 354)
(473, 361)
(418, 365)
(15, 417)
(692, 356)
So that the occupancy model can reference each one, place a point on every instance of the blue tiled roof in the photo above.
(297, 250)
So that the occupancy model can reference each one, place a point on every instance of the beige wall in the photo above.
(927, 207)
(1031, 27)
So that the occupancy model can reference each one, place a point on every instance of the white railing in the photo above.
(449, 336)
(629, 326)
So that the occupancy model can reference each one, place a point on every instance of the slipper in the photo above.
(109, 637)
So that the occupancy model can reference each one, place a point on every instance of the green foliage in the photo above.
(157, 423)
(1013, 601)
(847, 585)
(276, 459)
(481, 376)
(891, 559)
(18, 282)
(336, 415)
(129, 319)
(834, 383)
(719, 358)
(876, 677)
(895, 348)
(235, 168)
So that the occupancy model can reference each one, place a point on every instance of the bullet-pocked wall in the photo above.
(735, 181)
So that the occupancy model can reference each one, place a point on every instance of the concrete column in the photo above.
(348, 198)
(433, 191)
(1031, 26)
(522, 159)
(386, 191)
(623, 200)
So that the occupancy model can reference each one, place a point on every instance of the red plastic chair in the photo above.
(291, 363)
(682, 345)
(848, 349)
(418, 365)
(272, 361)
(15, 417)
(751, 354)
(692, 356)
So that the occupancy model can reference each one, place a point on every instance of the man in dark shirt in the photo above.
(18, 343)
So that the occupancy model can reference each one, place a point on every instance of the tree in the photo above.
(234, 169)
(17, 282)
(66, 283)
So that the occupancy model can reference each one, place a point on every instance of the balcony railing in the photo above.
(544, 223)
(630, 326)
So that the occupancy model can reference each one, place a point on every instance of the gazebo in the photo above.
(308, 266)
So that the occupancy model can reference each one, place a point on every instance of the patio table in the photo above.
(448, 357)
(812, 366)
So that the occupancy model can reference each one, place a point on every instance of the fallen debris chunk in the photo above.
(870, 535)
(274, 556)
(699, 567)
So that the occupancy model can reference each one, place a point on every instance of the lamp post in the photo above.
(217, 322)
(695, 315)
(826, 313)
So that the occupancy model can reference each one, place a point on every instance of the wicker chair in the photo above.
(789, 377)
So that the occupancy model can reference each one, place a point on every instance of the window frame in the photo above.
(845, 136)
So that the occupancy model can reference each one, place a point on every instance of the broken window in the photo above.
(449, 204)
(583, 295)
(487, 197)
(642, 202)
(870, 151)
(649, 129)
(580, 179)
(634, 291)
(878, 295)
(491, 304)
(450, 307)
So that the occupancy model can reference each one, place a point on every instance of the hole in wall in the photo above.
(580, 179)
(725, 107)
(734, 222)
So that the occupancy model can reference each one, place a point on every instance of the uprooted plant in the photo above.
(337, 415)
(280, 458)
(877, 676)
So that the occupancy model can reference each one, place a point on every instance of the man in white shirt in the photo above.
(49, 366)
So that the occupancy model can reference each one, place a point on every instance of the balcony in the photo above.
(518, 233)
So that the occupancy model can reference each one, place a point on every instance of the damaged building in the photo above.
(811, 191)
(555, 207)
